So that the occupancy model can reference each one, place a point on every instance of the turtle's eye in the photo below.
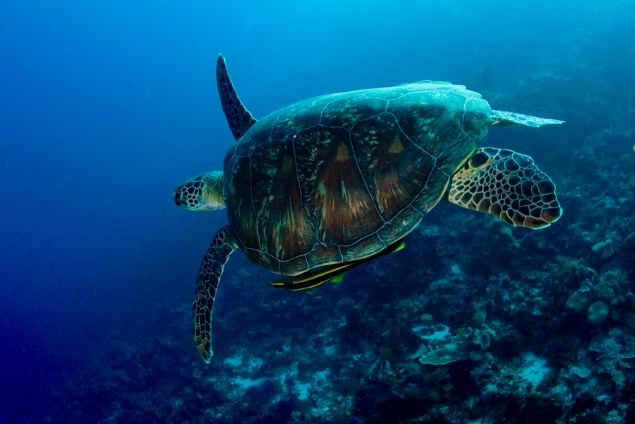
(479, 159)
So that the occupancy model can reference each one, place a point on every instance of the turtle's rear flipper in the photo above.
(501, 117)
(508, 185)
(218, 253)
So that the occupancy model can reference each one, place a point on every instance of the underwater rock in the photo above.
(581, 371)
(613, 287)
(578, 300)
(603, 249)
(534, 370)
(439, 346)
(572, 271)
(427, 318)
(479, 318)
(442, 356)
(597, 313)
(560, 395)
(482, 337)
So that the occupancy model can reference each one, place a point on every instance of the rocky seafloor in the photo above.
(474, 321)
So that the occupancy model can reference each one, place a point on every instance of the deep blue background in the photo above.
(105, 106)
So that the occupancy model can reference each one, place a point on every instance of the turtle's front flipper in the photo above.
(501, 117)
(508, 185)
(218, 253)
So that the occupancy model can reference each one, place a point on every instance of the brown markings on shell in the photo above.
(284, 229)
(238, 200)
(390, 190)
(333, 189)
(396, 170)
(341, 203)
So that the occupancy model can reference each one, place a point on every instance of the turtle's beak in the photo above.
(189, 195)
(178, 199)
(183, 198)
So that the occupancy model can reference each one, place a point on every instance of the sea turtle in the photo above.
(325, 184)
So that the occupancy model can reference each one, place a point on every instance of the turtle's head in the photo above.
(201, 193)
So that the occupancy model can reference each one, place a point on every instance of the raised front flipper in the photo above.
(508, 185)
(214, 261)
(501, 117)
(238, 117)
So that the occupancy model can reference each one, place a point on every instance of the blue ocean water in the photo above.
(106, 106)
